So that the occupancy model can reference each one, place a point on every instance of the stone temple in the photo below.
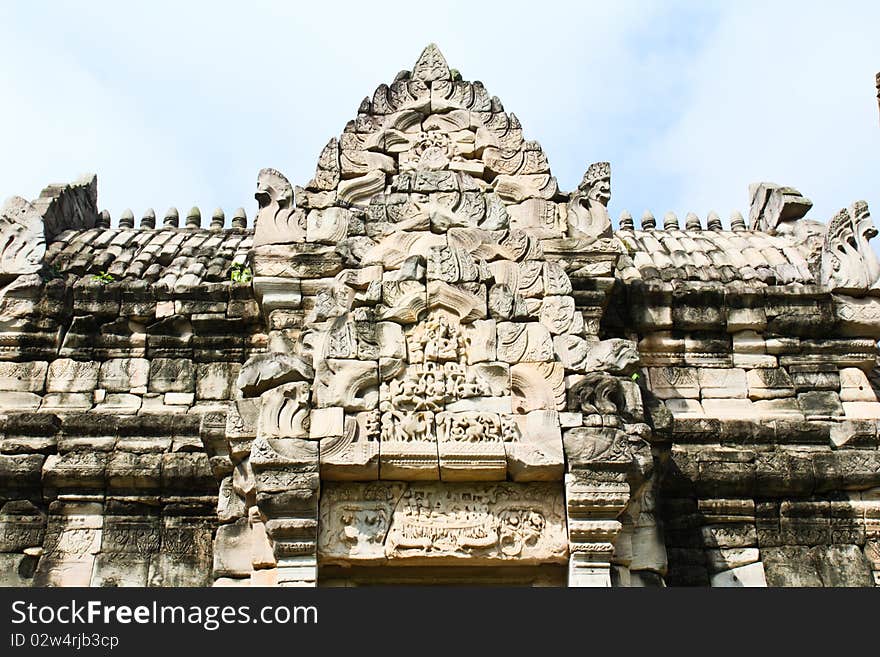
(429, 364)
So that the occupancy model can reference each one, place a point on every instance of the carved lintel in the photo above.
(465, 524)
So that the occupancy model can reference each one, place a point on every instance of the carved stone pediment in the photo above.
(849, 263)
(22, 238)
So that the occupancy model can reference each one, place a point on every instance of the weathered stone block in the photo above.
(854, 386)
(769, 383)
(187, 471)
(19, 402)
(120, 570)
(119, 404)
(728, 408)
(326, 422)
(751, 575)
(520, 342)
(17, 570)
(537, 387)
(725, 383)
(733, 535)
(216, 381)
(66, 402)
(480, 341)
(396, 524)
(124, 374)
(68, 375)
(232, 550)
(353, 455)
(130, 471)
(408, 450)
(853, 433)
(535, 453)
(681, 408)
(729, 558)
(674, 382)
(23, 377)
(172, 375)
(819, 404)
(802, 566)
(22, 526)
(860, 410)
(66, 571)
(777, 408)
(815, 377)
(349, 384)
(75, 470)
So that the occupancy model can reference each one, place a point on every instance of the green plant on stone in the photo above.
(103, 277)
(240, 273)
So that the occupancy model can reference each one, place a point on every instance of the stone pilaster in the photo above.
(594, 500)
(286, 471)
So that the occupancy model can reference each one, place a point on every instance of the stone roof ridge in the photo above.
(692, 222)
(171, 220)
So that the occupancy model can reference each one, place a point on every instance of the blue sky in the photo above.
(181, 104)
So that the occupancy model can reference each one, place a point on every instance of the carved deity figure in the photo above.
(588, 208)
(849, 264)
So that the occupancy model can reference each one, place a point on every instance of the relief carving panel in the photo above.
(474, 524)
